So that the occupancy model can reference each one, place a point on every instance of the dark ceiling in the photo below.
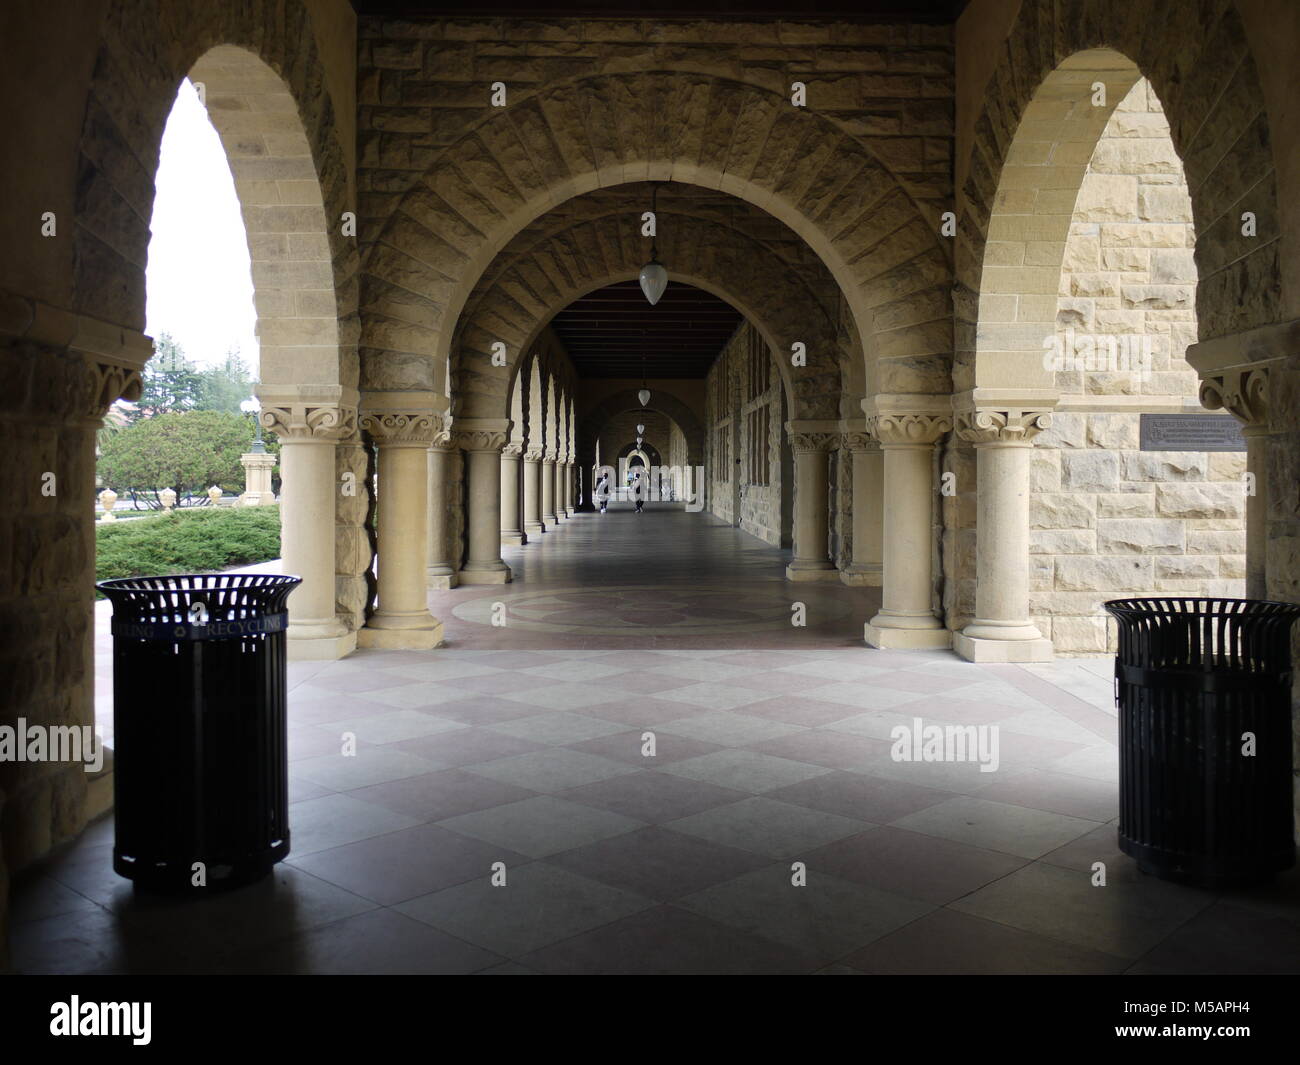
(608, 332)
(855, 10)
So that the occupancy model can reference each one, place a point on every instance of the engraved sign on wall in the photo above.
(1191, 432)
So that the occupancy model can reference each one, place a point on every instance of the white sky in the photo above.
(199, 284)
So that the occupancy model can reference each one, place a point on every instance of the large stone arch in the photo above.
(1037, 130)
(266, 99)
(570, 138)
(546, 277)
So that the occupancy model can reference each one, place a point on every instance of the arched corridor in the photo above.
(678, 417)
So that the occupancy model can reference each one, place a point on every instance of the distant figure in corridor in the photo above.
(602, 492)
(639, 489)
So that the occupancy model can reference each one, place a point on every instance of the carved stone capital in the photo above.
(513, 450)
(805, 441)
(480, 440)
(899, 429)
(858, 441)
(1007, 427)
(533, 454)
(548, 455)
(324, 423)
(402, 429)
(1242, 392)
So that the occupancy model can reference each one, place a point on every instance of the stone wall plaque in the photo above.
(1191, 432)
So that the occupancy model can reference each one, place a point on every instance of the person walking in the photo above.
(639, 490)
(602, 492)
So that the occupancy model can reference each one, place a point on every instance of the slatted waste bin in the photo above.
(1204, 694)
(200, 767)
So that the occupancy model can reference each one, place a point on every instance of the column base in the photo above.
(442, 578)
(485, 573)
(811, 571)
(888, 639)
(863, 576)
(401, 639)
(534, 528)
(513, 539)
(976, 649)
(312, 646)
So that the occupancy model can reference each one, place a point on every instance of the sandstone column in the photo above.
(309, 432)
(1001, 630)
(533, 526)
(868, 507)
(1244, 393)
(440, 572)
(512, 532)
(482, 446)
(402, 618)
(907, 619)
(811, 507)
(548, 488)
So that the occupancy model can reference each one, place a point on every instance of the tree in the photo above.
(185, 451)
(225, 387)
(170, 381)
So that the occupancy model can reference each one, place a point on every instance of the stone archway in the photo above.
(282, 148)
(1033, 142)
(570, 138)
(540, 278)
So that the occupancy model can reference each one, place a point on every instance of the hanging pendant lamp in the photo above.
(654, 278)
(644, 394)
(640, 429)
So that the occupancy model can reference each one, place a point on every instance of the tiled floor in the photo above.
(663, 800)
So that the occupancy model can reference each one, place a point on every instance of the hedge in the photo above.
(201, 540)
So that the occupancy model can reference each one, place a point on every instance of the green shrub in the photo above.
(190, 541)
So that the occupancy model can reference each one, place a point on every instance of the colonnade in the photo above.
(517, 483)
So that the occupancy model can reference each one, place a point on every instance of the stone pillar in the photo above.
(557, 497)
(868, 460)
(562, 508)
(907, 619)
(257, 478)
(1001, 630)
(440, 572)
(308, 433)
(512, 532)
(482, 447)
(811, 508)
(1244, 393)
(401, 618)
(548, 489)
(533, 493)
(582, 478)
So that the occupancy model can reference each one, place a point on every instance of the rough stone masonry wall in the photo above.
(729, 408)
(1108, 519)
(422, 84)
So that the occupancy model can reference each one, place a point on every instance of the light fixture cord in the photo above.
(654, 210)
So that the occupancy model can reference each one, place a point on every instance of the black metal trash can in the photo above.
(1194, 677)
(200, 761)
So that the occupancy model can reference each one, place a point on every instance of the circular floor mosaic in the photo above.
(651, 610)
